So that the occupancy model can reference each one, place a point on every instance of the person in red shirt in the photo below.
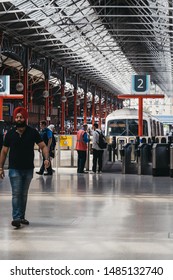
(81, 147)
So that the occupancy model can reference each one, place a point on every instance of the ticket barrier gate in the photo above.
(129, 163)
(110, 160)
(161, 159)
(144, 155)
(171, 160)
(112, 150)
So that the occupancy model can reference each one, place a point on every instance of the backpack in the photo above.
(102, 141)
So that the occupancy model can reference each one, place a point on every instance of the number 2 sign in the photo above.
(140, 83)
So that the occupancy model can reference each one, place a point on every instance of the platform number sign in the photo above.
(4, 85)
(140, 83)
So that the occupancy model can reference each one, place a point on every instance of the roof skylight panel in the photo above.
(36, 15)
(63, 3)
(19, 2)
(75, 41)
(26, 6)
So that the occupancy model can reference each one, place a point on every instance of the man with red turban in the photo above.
(22, 111)
(20, 141)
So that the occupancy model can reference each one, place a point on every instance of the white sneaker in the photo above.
(92, 172)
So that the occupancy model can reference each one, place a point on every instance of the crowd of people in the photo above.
(19, 142)
(83, 138)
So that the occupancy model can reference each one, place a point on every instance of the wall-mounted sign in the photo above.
(8, 109)
(140, 83)
(65, 141)
(4, 85)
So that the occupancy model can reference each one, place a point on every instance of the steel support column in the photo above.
(75, 111)
(75, 104)
(105, 107)
(100, 110)
(47, 101)
(93, 109)
(85, 108)
(25, 89)
(140, 106)
(62, 131)
(25, 81)
(85, 101)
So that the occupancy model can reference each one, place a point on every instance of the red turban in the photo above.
(22, 111)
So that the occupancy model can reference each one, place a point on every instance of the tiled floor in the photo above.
(107, 216)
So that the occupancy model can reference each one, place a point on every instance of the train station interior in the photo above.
(72, 62)
(83, 217)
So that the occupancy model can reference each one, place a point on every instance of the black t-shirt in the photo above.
(21, 154)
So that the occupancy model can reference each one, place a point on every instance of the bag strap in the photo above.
(100, 133)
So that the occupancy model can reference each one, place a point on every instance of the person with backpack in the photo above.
(98, 146)
(46, 135)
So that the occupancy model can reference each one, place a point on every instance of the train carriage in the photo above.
(124, 122)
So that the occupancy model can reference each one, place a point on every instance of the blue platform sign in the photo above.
(140, 83)
(4, 85)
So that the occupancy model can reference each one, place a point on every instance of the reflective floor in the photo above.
(86, 216)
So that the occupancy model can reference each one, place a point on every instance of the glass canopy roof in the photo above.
(103, 41)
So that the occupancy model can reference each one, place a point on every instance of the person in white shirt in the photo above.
(97, 151)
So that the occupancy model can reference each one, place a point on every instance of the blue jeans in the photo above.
(97, 159)
(20, 181)
(81, 161)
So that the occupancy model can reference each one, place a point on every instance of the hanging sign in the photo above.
(4, 85)
(140, 84)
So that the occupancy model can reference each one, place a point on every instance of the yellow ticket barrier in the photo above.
(65, 141)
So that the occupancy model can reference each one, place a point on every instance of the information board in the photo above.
(4, 85)
(140, 83)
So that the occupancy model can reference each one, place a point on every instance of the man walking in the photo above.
(20, 141)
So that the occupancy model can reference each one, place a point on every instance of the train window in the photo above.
(158, 128)
(145, 128)
(151, 127)
(132, 128)
(154, 128)
(125, 127)
(161, 129)
(116, 127)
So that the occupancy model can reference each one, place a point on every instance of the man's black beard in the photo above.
(18, 125)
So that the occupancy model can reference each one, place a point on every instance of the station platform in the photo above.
(90, 217)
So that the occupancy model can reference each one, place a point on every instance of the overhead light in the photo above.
(45, 93)
(63, 99)
(19, 86)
